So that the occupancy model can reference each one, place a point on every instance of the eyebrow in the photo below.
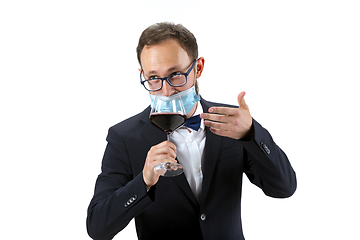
(169, 70)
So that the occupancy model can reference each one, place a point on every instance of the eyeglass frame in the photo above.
(167, 78)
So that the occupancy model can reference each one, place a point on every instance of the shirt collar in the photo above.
(199, 110)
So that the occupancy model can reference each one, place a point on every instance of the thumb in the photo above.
(241, 101)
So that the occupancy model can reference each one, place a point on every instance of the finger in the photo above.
(224, 133)
(220, 114)
(241, 101)
(214, 125)
(171, 145)
(167, 152)
(168, 144)
(161, 159)
(153, 161)
(223, 110)
(163, 149)
(213, 117)
(227, 125)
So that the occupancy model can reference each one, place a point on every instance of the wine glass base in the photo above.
(169, 169)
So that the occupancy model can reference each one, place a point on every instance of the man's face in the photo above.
(164, 59)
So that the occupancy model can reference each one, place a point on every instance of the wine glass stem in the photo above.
(168, 136)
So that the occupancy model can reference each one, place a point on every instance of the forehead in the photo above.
(164, 56)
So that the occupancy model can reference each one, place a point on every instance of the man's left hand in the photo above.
(229, 122)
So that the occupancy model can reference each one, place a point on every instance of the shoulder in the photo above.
(131, 124)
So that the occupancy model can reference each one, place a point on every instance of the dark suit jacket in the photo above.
(170, 210)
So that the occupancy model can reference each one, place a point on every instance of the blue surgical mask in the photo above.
(188, 97)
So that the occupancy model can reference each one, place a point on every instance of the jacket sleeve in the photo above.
(267, 165)
(119, 196)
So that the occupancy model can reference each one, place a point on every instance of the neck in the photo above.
(189, 115)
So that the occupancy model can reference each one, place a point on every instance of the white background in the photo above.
(68, 72)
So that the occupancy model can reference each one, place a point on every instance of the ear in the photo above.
(199, 66)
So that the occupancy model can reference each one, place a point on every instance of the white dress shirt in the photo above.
(190, 146)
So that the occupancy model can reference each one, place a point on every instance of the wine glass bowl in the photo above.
(167, 121)
(168, 114)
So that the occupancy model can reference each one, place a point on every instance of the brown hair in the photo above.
(159, 32)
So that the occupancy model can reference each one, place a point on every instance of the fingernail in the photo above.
(211, 110)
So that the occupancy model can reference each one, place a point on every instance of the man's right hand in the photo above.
(163, 152)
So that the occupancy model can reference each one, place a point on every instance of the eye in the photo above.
(175, 75)
(154, 83)
(152, 77)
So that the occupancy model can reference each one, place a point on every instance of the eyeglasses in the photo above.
(175, 80)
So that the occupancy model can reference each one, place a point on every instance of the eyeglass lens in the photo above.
(174, 80)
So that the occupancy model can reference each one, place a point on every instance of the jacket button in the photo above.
(203, 217)
(130, 201)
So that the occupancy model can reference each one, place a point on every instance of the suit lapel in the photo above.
(152, 134)
(185, 187)
(211, 154)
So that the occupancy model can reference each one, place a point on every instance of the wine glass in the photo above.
(168, 114)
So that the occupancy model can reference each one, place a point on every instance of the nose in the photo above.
(166, 89)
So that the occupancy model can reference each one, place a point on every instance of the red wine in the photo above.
(167, 122)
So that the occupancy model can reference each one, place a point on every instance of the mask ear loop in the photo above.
(196, 84)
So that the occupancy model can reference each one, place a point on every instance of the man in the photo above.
(204, 202)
